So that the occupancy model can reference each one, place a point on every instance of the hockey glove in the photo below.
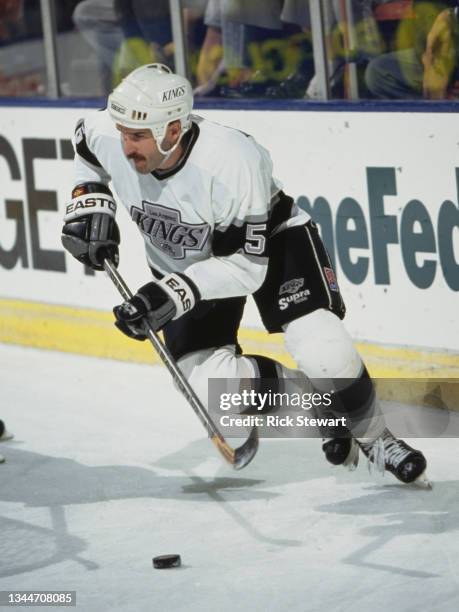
(90, 232)
(157, 303)
(91, 239)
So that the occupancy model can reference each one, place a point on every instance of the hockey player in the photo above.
(218, 227)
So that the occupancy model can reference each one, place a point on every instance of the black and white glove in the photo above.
(91, 233)
(157, 303)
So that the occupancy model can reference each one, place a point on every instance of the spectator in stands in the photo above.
(441, 58)
(99, 24)
(22, 63)
(255, 44)
(235, 28)
(354, 37)
(125, 34)
(11, 28)
(11, 12)
(19, 20)
(427, 68)
(129, 33)
(147, 34)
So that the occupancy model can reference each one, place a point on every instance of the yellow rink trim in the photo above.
(91, 332)
(67, 329)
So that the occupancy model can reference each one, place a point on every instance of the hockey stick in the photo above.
(238, 457)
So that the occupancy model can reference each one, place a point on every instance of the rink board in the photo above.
(383, 188)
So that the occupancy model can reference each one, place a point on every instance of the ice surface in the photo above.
(110, 467)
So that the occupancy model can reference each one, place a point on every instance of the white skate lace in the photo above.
(395, 451)
(385, 449)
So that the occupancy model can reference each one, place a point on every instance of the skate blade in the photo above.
(352, 460)
(423, 482)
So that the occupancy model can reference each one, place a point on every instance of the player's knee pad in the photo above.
(237, 373)
(216, 363)
(324, 351)
(322, 347)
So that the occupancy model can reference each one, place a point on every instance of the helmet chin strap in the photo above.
(169, 152)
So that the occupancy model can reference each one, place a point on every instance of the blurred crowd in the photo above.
(375, 49)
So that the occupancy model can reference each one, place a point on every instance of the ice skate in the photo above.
(4, 433)
(388, 453)
(342, 451)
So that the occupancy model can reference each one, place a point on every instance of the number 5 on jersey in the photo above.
(255, 239)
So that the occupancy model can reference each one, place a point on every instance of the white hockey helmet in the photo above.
(151, 97)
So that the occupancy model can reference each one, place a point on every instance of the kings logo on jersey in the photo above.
(166, 230)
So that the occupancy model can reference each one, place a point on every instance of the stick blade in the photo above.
(238, 457)
(245, 453)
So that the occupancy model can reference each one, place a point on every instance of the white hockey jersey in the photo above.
(209, 217)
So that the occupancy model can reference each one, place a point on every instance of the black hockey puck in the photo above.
(165, 561)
